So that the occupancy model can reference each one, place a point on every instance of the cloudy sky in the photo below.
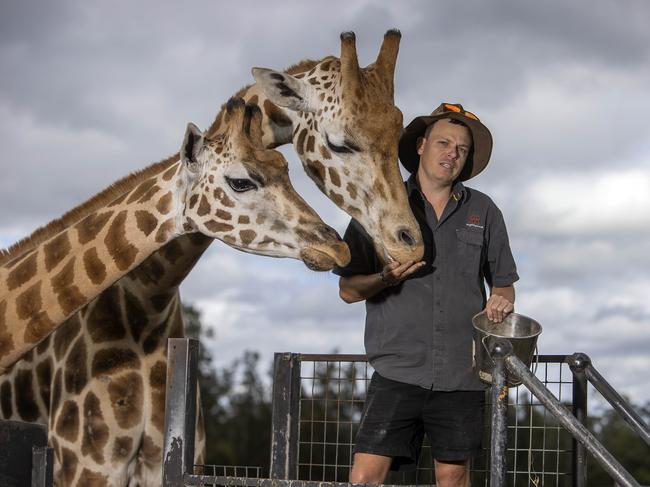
(92, 90)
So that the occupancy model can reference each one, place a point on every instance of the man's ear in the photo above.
(285, 90)
(419, 143)
(192, 143)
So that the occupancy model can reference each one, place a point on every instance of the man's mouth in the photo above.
(447, 165)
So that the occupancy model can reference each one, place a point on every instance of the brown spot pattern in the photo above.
(64, 336)
(126, 397)
(300, 142)
(122, 448)
(112, 360)
(120, 249)
(218, 227)
(334, 177)
(6, 341)
(169, 173)
(95, 431)
(336, 198)
(352, 190)
(223, 214)
(164, 204)
(243, 219)
(76, 372)
(69, 462)
(105, 320)
(310, 143)
(44, 376)
(141, 190)
(56, 250)
(88, 478)
(153, 339)
(136, 314)
(165, 230)
(22, 273)
(324, 151)
(204, 207)
(67, 425)
(145, 221)
(95, 268)
(172, 251)
(68, 294)
(57, 389)
(89, 227)
(247, 236)
(26, 405)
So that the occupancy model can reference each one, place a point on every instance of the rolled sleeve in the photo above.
(500, 269)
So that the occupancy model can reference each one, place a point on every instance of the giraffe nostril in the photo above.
(405, 236)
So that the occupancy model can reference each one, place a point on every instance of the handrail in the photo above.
(580, 363)
(501, 350)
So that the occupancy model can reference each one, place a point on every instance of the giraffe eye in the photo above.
(240, 185)
(341, 149)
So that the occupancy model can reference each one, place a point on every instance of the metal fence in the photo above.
(318, 401)
(317, 404)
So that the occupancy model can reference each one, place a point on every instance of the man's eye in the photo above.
(241, 185)
(341, 149)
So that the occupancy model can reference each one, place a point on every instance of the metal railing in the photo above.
(530, 435)
(507, 363)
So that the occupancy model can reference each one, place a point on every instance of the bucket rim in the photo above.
(504, 336)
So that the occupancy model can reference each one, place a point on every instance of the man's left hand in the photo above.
(498, 307)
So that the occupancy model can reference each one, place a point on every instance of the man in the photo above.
(419, 333)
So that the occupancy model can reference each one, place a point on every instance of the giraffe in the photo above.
(346, 137)
(345, 127)
(91, 388)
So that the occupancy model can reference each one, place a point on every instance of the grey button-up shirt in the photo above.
(420, 331)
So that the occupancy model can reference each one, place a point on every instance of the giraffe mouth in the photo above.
(325, 260)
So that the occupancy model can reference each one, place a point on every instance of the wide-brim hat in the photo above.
(478, 157)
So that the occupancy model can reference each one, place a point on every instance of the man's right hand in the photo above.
(393, 273)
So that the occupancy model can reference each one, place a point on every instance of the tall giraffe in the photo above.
(97, 372)
(346, 137)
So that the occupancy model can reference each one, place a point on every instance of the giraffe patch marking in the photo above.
(110, 361)
(6, 340)
(218, 227)
(44, 376)
(76, 374)
(145, 221)
(122, 448)
(164, 204)
(165, 231)
(94, 267)
(120, 249)
(56, 250)
(64, 336)
(334, 177)
(69, 462)
(26, 406)
(126, 396)
(90, 226)
(105, 319)
(68, 294)
(95, 430)
(136, 314)
(22, 273)
(247, 236)
(67, 425)
(140, 190)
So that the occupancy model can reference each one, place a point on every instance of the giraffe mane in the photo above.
(72, 216)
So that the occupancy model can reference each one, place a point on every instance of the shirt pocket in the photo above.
(470, 248)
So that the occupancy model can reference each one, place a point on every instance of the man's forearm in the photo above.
(360, 287)
(506, 292)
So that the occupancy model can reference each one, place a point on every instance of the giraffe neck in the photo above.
(44, 286)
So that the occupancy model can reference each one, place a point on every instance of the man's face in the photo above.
(443, 152)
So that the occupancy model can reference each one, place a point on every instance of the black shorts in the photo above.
(397, 415)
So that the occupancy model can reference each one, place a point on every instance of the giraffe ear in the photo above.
(192, 143)
(285, 90)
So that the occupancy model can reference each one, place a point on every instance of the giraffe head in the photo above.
(346, 130)
(240, 193)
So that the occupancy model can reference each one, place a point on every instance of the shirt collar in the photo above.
(457, 189)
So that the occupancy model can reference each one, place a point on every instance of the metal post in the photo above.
(42, 466)
(577, 363)
(499, 445)
(180, 410)
(621, 405)
(285, 416)
(572, 425)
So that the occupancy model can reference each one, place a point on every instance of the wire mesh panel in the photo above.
(331, 395)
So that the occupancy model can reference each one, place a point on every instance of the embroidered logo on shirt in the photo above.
(474, 221)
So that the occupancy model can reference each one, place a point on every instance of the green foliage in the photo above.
(624, 444)
(236, 405)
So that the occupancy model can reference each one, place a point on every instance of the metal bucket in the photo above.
(521, 331)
